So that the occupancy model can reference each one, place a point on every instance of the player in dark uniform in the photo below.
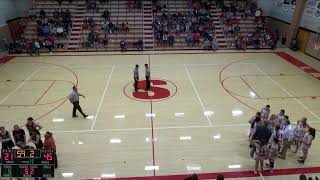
(5, 139)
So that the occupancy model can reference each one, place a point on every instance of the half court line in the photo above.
(22, 83)
(284, 90)
(196, 91)
(102, 98)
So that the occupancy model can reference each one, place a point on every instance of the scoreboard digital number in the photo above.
(27, 163)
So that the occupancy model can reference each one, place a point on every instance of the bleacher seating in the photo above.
(140, 24)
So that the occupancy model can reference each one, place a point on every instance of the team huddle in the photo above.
(272, 136)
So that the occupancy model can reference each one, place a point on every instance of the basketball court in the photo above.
(194, 119)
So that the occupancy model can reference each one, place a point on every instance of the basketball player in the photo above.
(147, 74)
(74, 99)
(136, 77)
(32, 126)
(5, 139)
(265, 113)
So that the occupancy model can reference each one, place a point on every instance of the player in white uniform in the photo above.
(265, 113)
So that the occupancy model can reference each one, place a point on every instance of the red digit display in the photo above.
(26, 171)
(48, 156)
(8, 156)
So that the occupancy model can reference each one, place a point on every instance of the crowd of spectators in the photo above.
(198, 24)
(134, 4)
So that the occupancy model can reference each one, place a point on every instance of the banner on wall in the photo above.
(312, 8)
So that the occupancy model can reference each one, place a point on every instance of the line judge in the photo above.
(74, 99)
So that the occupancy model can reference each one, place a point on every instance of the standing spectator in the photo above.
(5, 139)
(306, 144)
(74, 99)
(49, 143)
(19, 135)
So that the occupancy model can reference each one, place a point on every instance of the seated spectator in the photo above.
(140, 45)
(257, 15)
(171, 40)
(294, 45)
(189, 40)
(59, 1)
(236, 29)
(214, 43)
(60, 31)
(126, 27)
(104, 27)
(196, 38)
(85, 25)
(165, 40)
(123, 46)
(257, 42)
(111, 27)
(105, 41)
(91, 22)
(106, 15)
(42, 14)
(49, 45)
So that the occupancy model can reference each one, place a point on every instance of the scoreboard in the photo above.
(27, 163)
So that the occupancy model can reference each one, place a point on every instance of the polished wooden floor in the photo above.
(197, 113)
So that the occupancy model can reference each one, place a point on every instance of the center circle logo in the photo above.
(161, 89)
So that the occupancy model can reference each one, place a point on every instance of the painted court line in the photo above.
(196, 91)
(156, 128)
(22, 83)
(284, 90)
(102, 98)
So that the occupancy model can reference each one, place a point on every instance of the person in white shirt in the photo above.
(287, 137)
(136, 77)
(265, 113)
(74, 99)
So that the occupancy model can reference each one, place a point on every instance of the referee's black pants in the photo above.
(147, 82)
(136, 80)
(76, 106)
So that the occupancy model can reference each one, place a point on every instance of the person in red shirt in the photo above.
(196, 38)
(49, 143)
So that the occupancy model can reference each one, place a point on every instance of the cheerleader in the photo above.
(5, 139)
(273, 152)
(306, 144)
(260, 154)
(298, 132)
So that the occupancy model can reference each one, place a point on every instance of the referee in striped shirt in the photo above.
(136, 77)
(147, 74)
(74, 99)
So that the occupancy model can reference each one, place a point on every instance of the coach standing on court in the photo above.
(74, 99)
(147, 72)
(136, 77)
